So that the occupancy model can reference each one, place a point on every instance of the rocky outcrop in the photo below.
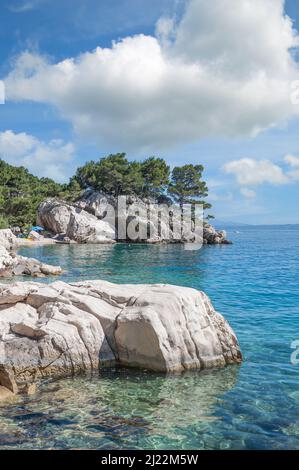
(97, 218)
(61, 329)
(12, 264)
(214, 237)
(61, 218)
(7, 239)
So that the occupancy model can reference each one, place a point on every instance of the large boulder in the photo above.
(95, 202)
(59, 217)
(60, 329)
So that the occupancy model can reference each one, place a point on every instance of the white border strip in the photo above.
(2, 92)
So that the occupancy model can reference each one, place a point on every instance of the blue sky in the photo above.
(52, 130)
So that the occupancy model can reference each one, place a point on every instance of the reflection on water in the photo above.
(119, 409)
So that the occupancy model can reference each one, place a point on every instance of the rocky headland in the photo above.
(92, 219)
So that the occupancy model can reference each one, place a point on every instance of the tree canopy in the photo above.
(187, 186)
(116, 175)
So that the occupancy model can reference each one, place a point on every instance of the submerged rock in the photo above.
(5, 394)
(61, 329)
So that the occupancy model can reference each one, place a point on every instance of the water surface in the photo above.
(254, 283)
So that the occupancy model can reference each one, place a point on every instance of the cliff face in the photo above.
(97, 218)
(60, 329)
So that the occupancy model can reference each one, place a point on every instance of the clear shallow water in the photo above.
(254, 283)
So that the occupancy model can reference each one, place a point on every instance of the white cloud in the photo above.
(249, 172)
(248, 193)
(237, 38)
(224, 70)
(41, 158)
(292, 161)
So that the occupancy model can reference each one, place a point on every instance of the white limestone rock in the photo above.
(174, 328)
(59, 217)
(12, 264)
(61, 329)
(7, 239)
(93, 218)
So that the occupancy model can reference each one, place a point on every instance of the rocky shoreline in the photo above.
(62, 329)
(96, 218)
(12, 264)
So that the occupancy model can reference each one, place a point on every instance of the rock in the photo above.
(165, 331)
(7, 239)
(61, 329)
(6, 262)
(12, 264)
(214, 237)
(226, 242)
(7, 378)
(19, 269)
(47, 269)
(5, 394)
(30, 331)
(30, 389)
(96, 203)
(98, 218)
(13, 293)
(60, 217)
(34, 235)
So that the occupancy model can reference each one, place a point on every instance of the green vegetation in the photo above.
(187, 186)
(113, 175)
(3, 222)
(21, 192)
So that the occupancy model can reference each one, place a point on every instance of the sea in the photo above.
(254, 283)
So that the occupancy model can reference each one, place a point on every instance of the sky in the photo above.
(192, 81)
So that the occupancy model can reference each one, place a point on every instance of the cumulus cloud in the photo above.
(41, 158)
(223, 70)
(249, 172)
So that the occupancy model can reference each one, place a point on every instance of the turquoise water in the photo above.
(254, 283)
